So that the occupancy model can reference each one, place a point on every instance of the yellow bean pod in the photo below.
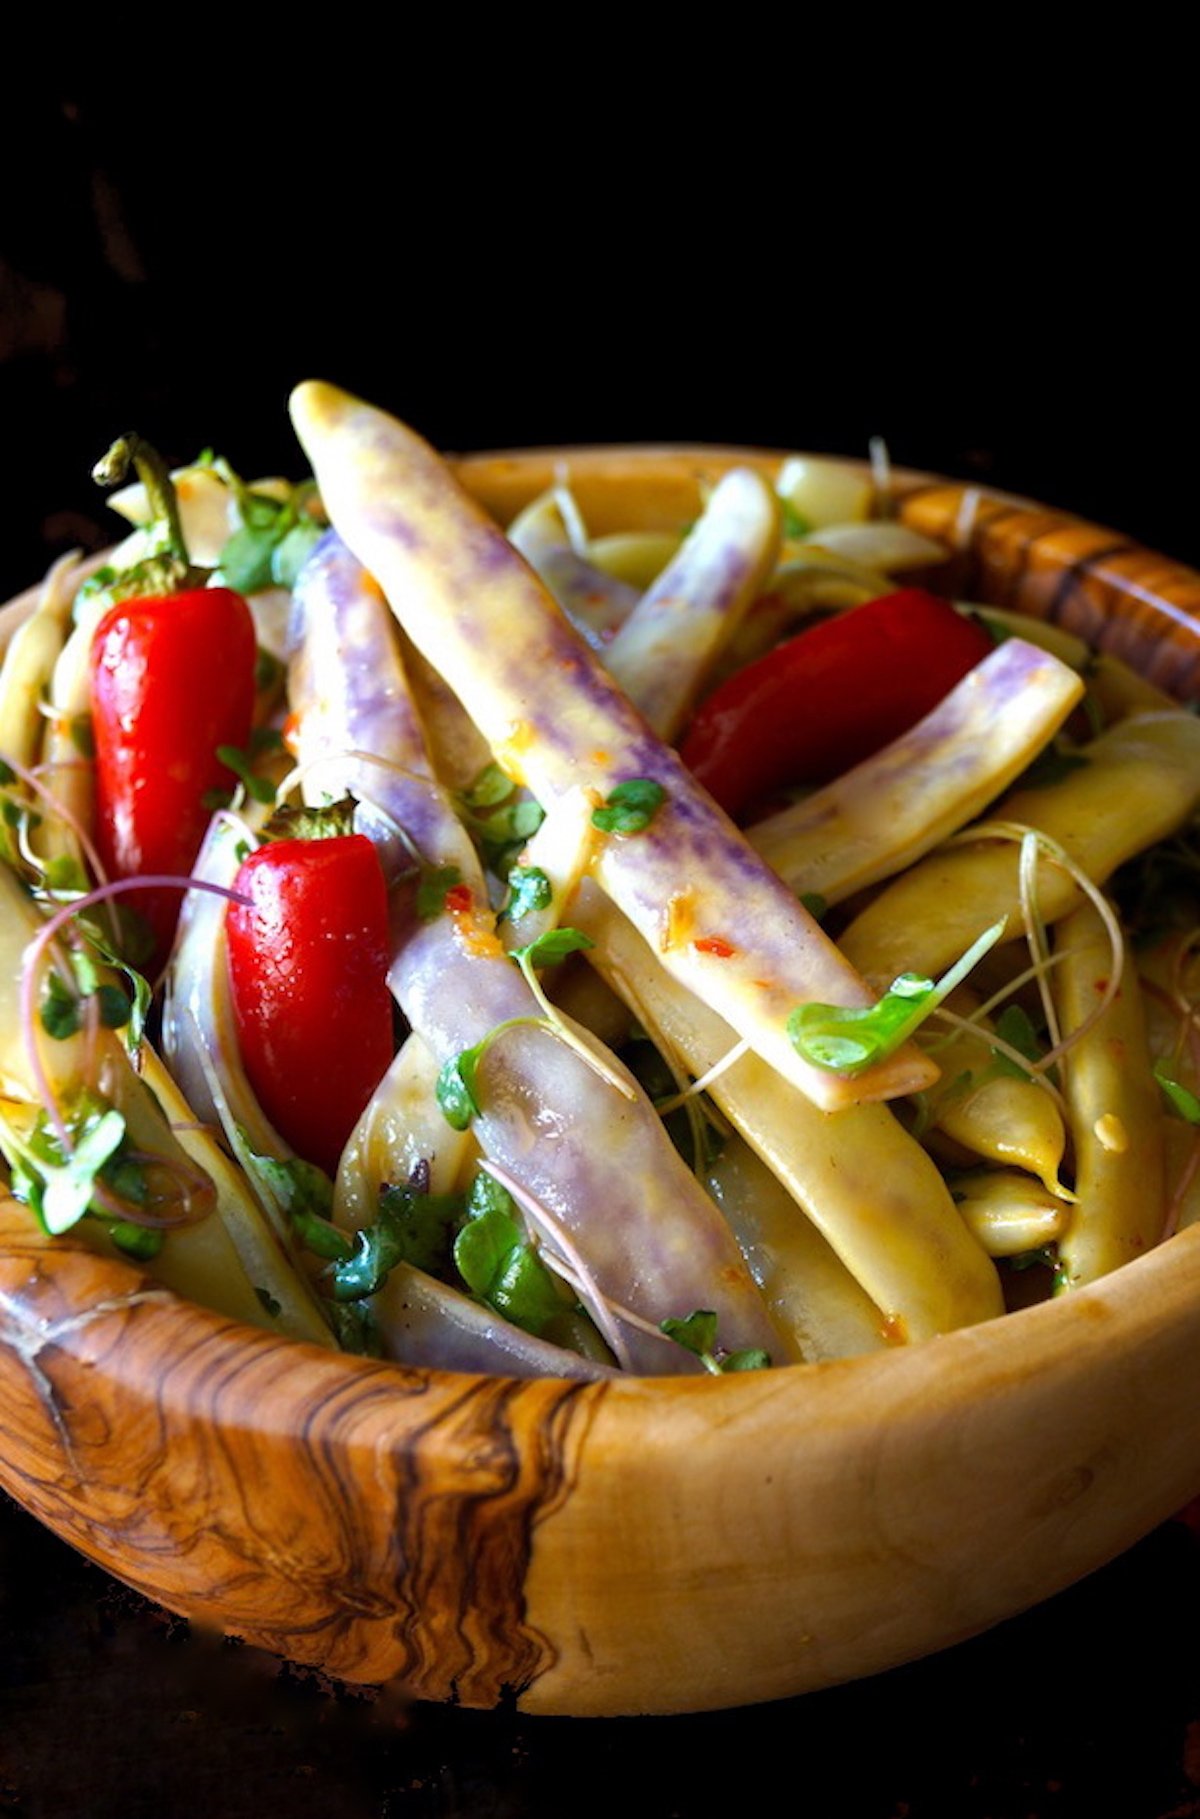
(1140, 782)
(1008, 1212)
(1115, 1108)
(815, 1301)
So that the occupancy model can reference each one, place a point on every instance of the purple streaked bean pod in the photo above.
(611, 1199)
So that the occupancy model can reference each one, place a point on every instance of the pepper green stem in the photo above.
(134, 451)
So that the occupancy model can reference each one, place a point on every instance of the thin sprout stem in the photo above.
(32, 780)
(544, 1221)
(1175, 1204)
(729, 1059)
(1027, 1067)
(1057, 855)
(1035, 931)
(36, 950)
(555, 1021)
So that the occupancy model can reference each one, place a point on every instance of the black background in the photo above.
(777, 249)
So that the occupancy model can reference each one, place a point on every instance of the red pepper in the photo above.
(172, 679)
(828, 698)
(308, 960)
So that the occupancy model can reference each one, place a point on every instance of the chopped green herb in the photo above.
(490, 788)
(529, 890)
(795, 524)
(847, 1040)
(630, 807)
(436, 880)
(273, 1307)
(815, 904)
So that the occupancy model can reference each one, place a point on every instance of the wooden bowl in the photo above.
(635, 1545)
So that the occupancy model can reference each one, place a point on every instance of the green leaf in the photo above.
(456, 1089)
(816, 905)
(552, 947)
(1180, 1098)
(1014, 1026)
(69, 1186)
(436, 880)
(141, 1241)
(411, 1227)
(697, 1333)
(289, 555)
(795, 524)
(245, 559)
(630, 807)
(356, 1328)
(498, 1263)
(529, 890)
(751, 1359)
(847, 1040)
(259, 789)
(273, 1307)
(489, 789)
(61, 1011)
(305, 1193)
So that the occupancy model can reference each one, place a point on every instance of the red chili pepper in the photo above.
(828, 698)
(308, 960)
(172, 679)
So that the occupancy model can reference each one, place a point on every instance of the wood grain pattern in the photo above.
(631, 1545)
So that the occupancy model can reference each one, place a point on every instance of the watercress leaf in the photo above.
(848, 1039)
(524, 1290)
(816, 905)
(115, 1008)
(630, 807)
(69, 1187)
(61, 1012)
(751, 1359)
(696, 1333)
(551, 947)
(455, 1090)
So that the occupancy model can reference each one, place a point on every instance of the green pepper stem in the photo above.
(133, 450)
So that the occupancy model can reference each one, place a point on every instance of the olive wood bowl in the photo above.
(632, 1545)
